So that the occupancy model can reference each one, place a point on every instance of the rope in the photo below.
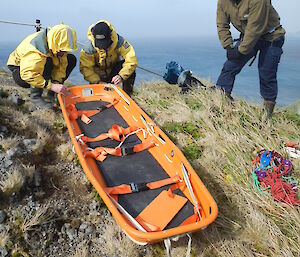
(150, 71)
(37, 25)
(271, 172)
(18, 23)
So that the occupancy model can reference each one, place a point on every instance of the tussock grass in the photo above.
(40, 217)
(44, 141)
(10, 142)
(4, 238)
(220, 139)
(29, 171)
(13, 183)
(65, 151)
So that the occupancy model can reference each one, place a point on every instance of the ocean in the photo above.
(204, 57)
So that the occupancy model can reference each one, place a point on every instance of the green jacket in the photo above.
(255, 19)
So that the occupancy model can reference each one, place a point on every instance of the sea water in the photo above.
(205, 58)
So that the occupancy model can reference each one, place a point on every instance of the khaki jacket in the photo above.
(32, 53)
(255, 19)
(96, 64)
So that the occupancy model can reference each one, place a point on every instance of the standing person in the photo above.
(41, 61)
(259, 25)
(100, 59)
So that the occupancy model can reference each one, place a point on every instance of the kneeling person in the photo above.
(41, 61)
(108, 57)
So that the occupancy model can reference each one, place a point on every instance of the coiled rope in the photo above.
(272, 173)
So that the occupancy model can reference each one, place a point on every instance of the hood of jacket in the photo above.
(62, 38)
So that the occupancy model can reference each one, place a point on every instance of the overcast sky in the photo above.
(131, 18)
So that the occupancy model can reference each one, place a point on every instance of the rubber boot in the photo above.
(269, 108)
(50, 96)
(229, 97)
(36, 98)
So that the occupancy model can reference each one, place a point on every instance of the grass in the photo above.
(40, 217)
(4, 239)
(220, 139)
(13, 183)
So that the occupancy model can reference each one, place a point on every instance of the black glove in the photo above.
(233, 53)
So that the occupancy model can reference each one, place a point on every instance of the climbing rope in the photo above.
(272, 173)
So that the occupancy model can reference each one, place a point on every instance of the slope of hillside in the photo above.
(49, 208)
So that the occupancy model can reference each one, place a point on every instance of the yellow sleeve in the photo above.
(223, 26)
(257, 24)
(87, 65)
(31, 69)
(59, 70)
(130, 64)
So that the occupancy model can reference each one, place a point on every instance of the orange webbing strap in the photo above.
(74, 113)
(116, 132)
(85, 119)
(100, 153)
(139, 187)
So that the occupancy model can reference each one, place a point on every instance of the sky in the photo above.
(133, 19)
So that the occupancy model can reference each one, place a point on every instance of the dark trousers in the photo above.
(269, 58)
(46, 73)
(128, 83)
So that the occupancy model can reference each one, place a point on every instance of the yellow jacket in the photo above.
(96, 63)
(31, 54)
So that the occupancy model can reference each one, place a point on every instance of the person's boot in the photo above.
(269, 108)
(50, 96)
(229, 97)
(36, 98)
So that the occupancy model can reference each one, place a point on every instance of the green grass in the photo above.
(222, 138)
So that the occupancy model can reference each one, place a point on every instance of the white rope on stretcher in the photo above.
(168, 245)
(120, 93)
(190, 188)
(132, 133)
(151, 131)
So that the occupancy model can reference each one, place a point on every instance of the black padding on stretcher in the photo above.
(138, 168)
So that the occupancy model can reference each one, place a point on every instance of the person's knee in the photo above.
(72, 60)
(17, 78)
(128, 84)
(48, 69)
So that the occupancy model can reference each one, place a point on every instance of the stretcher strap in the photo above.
(138, 187)
(74, 113)
(100, 153)
(116, 132)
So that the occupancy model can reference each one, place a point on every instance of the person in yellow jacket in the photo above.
(108, 57)
(259, 25)
(42, 61)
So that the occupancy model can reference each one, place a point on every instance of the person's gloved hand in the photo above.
(116, 79)
(233, 53)
(59, 88)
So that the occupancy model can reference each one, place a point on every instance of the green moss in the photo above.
(188, 128)
(192, 152)
(59, 124)
(195, 105)
(164, 103)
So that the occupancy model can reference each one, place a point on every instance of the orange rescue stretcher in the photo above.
(144, 179)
